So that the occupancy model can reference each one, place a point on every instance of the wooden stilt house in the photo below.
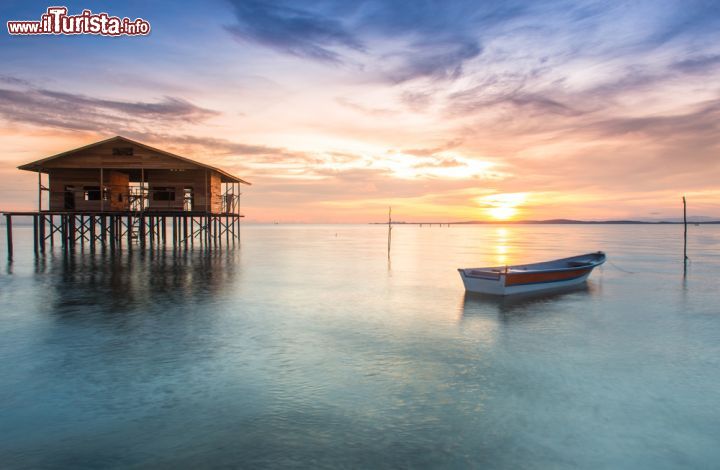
(119, 192)
(120, 174)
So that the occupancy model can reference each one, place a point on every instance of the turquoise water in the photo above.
(307, 347)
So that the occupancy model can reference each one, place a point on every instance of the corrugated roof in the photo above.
(38, 164)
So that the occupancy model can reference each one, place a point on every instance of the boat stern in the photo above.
(483, 282)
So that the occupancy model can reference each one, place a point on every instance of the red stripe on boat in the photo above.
(514, 279)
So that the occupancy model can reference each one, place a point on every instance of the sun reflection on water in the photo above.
(501, 246)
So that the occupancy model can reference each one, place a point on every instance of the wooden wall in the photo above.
(117, 187)
(117, 184)
(78, 180)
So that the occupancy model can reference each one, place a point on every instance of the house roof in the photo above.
(38, 165)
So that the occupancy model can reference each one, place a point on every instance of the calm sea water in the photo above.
(307, 347)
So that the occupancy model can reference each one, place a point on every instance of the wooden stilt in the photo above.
(103, 230)
(215, 231)
(73, 231)
(42, 233)
(112, 232)
(93, 232)
(118, 229)
(36, 246)
(63, 235)
(207, 231)
(151, 231)
(142, 229)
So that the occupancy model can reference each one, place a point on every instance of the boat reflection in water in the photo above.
(528, 304)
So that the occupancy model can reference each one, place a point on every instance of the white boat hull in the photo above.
(498, 287)
(537, 277)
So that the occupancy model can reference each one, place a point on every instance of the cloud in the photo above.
(440, 162)
(431, 39)
(426, 152)
(372, 111)
(477, 99)
(27, 104)
(438, 60)
(698, 64)
(291, 29)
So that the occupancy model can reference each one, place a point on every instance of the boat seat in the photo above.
(577, 264)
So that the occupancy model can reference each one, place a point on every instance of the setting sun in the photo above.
(502, 213)
(502, 206)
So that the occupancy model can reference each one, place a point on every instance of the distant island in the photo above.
(693, 221)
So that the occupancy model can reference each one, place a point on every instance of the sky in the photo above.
(445, 110)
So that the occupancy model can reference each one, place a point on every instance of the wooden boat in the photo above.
(535, 277)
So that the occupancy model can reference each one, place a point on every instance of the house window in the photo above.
(92, 193)
(163, 194)
(122, 151)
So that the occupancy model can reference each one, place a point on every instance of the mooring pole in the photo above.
(389, 228)
(8, 229)
(685, 257)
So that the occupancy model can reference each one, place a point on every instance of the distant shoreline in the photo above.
(556, 222)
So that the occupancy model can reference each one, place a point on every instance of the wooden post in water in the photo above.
(685, 257)
(389, 228)
(8, 229)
